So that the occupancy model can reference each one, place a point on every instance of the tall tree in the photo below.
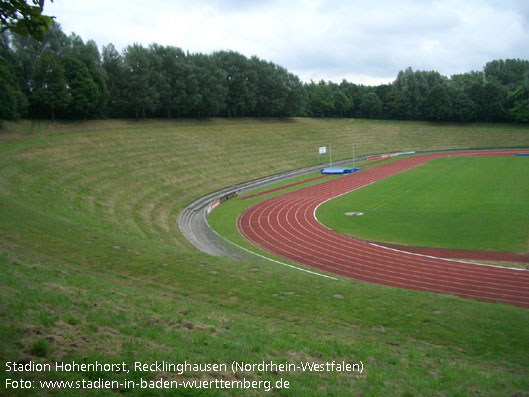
(438, 106)
(342, 103)
(49, 92)
(271, 88)
(160, 78)
(211, 83)
(27, 50)
(371, 105)
(321, 99)
(141, 96)
(415, 87)
(398, 106)
(519, 110)
(295, 99)
(169, 78)
(240, 79)
(88, 53)
(509, 72)
(82, 89)
(114, 71)
(463, 108)
(353, 92)
(489, 98)
(13, 102)
(193, 94)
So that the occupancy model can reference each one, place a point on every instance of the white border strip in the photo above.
(446, 259)
(264, 257)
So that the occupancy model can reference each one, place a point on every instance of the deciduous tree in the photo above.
(24, 17)
(49, 92)
(82, 89)
(438, 106)
(140, 93)
(371, 105)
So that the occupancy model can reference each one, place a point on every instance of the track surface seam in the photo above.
(286, 226)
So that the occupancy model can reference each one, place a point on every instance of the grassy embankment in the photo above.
(95, 268)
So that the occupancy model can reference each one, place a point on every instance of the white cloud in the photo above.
(365, 42)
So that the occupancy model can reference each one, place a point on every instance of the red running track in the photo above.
(287, 226)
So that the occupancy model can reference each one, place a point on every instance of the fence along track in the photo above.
(192, 219)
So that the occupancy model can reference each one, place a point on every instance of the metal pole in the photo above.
(330, 155)
(353, 155)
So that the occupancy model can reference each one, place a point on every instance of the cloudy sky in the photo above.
(365, 42)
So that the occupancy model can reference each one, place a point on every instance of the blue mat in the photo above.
(339, 170)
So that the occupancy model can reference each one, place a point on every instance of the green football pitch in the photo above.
(479, 203)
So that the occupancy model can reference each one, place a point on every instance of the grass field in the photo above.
(466, 203)
(94, 267)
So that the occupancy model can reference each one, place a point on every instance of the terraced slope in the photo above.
(136, 179)
(94, 267)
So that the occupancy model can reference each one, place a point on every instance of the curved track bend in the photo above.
(287, 226)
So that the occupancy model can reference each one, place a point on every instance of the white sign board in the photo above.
(323, 149)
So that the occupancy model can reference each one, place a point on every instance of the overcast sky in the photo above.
(365, 42)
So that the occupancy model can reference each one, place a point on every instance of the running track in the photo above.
(286, 225)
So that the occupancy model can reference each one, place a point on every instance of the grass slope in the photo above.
(94, 267)
(467, 203)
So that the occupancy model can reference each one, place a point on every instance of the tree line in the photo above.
(63, 77)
